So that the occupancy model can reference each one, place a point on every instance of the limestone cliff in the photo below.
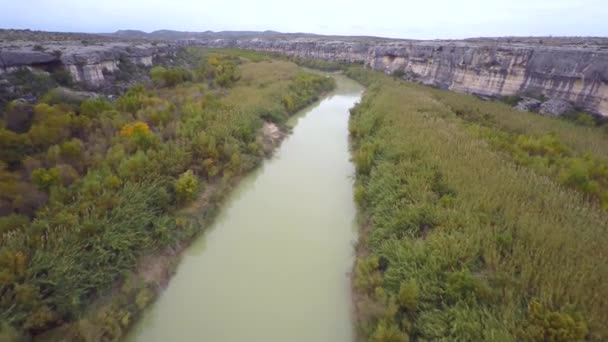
(578, 75)
(86, 63)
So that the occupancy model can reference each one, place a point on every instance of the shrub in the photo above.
(186, 187)
(388, 332)
(132, 100)
(169, 77)
(408, 295)
(585, 119)
(63, 77)
(545, 325)
(13, 222)
(44, 179)
(135, 128)
(94, 107)
(222, 71)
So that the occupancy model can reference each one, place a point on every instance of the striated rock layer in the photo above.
(86, 64)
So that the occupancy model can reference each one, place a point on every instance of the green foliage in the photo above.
(62, 77)
(408, 295)
(319, 64)
(544, 325)
(548, 156)
(132, 100)
(222, 71)
(304, 90)
(13, 146)
(169, 77)
(44, 179)
(470, 228)
(51, 125)
(27, 81)
(94, 107)
(13, 222)
(388, 332)
(585, 119)
(186, 187)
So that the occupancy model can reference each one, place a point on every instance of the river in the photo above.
(274, 265)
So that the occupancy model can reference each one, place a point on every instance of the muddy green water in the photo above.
(274, 266)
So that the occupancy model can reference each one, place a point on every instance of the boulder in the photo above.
(528, 104)
(555, 107)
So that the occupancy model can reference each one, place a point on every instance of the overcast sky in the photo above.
(421, 19)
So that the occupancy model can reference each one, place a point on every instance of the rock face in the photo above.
(528, 104)
(86, 63)
(576, 75)
(565, 69)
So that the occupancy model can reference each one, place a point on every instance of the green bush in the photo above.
(169, 77)
(408, 295)
(13, 222)
(63, 77)
(44, 179)
(94, 107)
(545, 325)
(186, 187)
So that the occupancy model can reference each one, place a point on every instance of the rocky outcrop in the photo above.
(86, 63)
(577, 75)
(555, 107)
(528, 104)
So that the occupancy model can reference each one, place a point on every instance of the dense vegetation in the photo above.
(89, 188)
(318, 64)
(479, 223)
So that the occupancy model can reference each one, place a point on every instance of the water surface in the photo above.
(274, 265)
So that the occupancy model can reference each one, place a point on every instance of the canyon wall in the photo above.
(86, 63)
(577, 75)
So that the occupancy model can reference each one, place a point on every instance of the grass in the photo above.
(461, 243)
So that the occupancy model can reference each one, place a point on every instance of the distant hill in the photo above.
(179, 35)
